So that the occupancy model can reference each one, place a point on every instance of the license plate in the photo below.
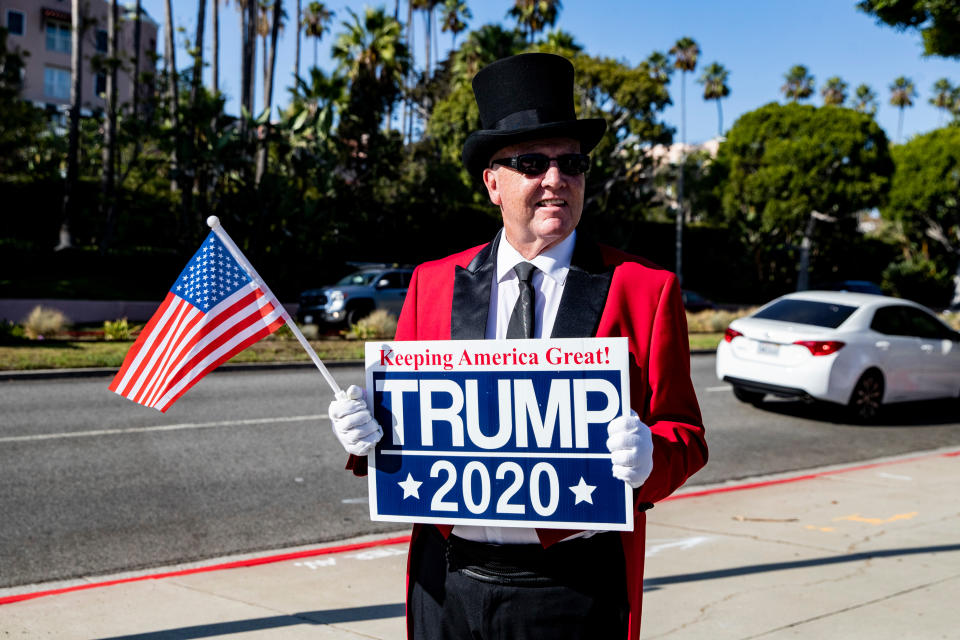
(768, 348)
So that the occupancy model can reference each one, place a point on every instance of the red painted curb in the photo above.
(806, 476)
(252, 562)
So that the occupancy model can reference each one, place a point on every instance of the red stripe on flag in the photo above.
(144, 336)
(163, 405)
(174, 330)
(189, 356)
(148, 353)
(174, 356)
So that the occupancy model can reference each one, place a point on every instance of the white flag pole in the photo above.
(214, 223)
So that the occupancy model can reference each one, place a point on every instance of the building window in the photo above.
(15, 21)
(56, 83)
(101, 41)
(58, 37)
(101, 84)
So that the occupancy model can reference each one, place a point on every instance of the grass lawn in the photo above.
(64, 354)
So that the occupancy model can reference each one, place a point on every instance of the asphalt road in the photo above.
(91, 483)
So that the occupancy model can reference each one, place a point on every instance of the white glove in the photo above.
(353, 425)
(631, 446)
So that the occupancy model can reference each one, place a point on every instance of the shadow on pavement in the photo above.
(651, 584)
(900, 414)
(328, 616)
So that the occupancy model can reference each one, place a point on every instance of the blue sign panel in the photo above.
(500, 433)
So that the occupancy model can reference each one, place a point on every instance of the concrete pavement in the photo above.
(870, 550)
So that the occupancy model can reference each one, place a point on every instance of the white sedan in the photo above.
(854, 349)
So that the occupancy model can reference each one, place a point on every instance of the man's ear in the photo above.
(493, 190)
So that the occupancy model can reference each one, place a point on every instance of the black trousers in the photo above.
(474, 591)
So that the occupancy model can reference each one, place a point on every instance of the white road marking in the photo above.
(355, 500)
(893, 476)
(725, 387)
(164, 427)
(656, 546)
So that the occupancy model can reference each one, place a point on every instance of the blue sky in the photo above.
(756, 40)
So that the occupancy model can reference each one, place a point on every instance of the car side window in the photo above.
(391, 280)
(889, 321)
(923, 325)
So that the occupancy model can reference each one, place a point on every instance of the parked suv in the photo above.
(355, 296)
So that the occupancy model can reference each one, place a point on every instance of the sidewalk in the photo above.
(864, 551)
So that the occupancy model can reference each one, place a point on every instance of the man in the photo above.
(491, 582)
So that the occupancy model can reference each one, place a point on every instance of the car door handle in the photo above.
(882, 344)
(927, 347)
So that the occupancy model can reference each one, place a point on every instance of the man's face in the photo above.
(538, 211)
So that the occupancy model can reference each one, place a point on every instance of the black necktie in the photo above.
(521, 320)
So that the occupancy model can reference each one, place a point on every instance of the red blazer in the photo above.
(607, 293)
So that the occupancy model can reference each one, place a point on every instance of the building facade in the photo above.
(42, 29)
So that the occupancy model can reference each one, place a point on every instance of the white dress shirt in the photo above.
(553, 265)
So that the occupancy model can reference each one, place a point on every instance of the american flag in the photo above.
(214, 310)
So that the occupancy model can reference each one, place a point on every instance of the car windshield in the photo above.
(820, 314)
(360, 278)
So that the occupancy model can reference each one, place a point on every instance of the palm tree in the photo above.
(108, 177)
(659, 64)
(943, 97)
(562, 42)
(427, 7)
(714, 81)
(371, 53)
(902, 93)
(299, 27)
(799, 85)
(865, 100)
(248, 51)
(454, 13)
(316, 22)
(834, 91)
(79, 23)
(685, 53)
(269, 66)
(535, 15)
(482, 46)
(215, 46)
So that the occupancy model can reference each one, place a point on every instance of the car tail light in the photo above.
(821, 347)
(730, 334)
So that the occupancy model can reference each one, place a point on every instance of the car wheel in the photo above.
(750, 397)
(357, 313)
(867, 397)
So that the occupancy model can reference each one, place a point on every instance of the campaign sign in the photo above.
(508, 433)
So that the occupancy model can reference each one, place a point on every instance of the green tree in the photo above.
(786, 167)
(373, 56)
(533, 16)
(865, 100)
(561, 43)
(316, 22)
(659, 64)
(937, 21)
(799, 83)
(455, 14)
(834, 91)
(902, 93)
(714, 81)
(924, 195)
(944, 96)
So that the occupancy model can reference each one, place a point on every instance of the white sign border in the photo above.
(372, 360)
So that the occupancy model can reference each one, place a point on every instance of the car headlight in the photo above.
(337, 296)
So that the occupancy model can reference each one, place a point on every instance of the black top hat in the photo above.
(526, 97)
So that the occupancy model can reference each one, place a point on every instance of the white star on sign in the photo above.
(410, 487)
(583, 491)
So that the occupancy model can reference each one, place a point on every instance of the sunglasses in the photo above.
(535, 164)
